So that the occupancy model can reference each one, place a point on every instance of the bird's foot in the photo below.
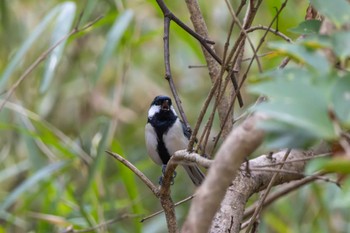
(163, 173)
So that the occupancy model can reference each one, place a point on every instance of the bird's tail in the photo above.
(195, 174)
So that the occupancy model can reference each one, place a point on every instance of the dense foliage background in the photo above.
(93, 93)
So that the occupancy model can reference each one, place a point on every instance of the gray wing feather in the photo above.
(195, 174)
(186, 132)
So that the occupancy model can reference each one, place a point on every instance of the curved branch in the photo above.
(274, 31)
(137, 172)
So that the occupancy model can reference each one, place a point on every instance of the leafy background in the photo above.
(93, 92)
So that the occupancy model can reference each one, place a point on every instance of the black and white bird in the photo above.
(165, 134)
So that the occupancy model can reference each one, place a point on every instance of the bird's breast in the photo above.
(152, 143)
(174, 139)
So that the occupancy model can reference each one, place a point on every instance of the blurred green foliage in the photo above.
(92, 94)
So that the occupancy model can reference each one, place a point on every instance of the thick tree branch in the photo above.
(232, 207)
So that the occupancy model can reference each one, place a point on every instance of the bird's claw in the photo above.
(163, 173)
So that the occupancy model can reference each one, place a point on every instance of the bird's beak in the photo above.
(165, 105)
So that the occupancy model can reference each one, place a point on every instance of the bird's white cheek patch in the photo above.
(175, 139)
(173, 110)
(151, 144)
(153, 110)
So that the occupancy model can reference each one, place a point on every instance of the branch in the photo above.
(161, 211)
(274, 31)
(168, 16)
(70, 229)
(280, 193)
(165, 197)
(137, 172)
(163, 193)
(233, 205)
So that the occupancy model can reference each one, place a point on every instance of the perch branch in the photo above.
(137, 172)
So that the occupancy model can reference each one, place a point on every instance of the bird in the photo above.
(165, 134)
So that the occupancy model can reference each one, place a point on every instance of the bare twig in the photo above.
(168, 16)
(280, 193)
(234, 16)
(202, 113)
(161, 211)
(213, 67)
(163, 194)
(70, 229)
(137, 172)
(274, 31)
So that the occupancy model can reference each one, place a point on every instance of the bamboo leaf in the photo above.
(62, 27)
(114, 35)
(28, 184)
(27, 44)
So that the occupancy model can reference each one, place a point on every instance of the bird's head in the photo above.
(162, 106)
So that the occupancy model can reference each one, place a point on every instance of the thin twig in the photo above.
(276, 32)
(280, 193)
(161, 211)
(168, 75)
(202, 113)
(137, 172)
(101, 225)
(234, 16)
(248, 68)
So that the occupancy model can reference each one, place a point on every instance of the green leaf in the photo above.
(300, 53)
(62, 27)
(341, 99)
(307, 27)
(341, 44)
(316, 42)
(34, 36)
(28, 184)
(128, 178)
(290, 101)
(335, 164)
(283, 135)
(287, 73)
(14, 170)
(88, 10)
(338, 11)
(99, 154)
(276, 223)
(114, 35)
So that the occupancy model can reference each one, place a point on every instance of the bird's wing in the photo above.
(186, 132)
